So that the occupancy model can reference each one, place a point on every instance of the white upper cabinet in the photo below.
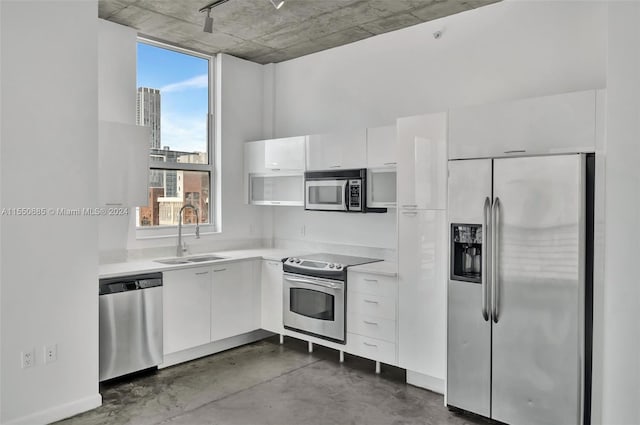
(343, 150)
(123, 164)
(123, 146)
(422, 162)
(285, 154)
(274, 171)
(541, 125)
(381, 166)
(381, 146)
(116, 72)
(254, 159)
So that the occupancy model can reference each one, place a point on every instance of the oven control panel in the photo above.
(313, 264)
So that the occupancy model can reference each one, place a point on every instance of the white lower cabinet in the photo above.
(235, 299)
(206, 304)
(371, 316)
(372, 348)
(271, 296)
(186, 302)
(422, 267)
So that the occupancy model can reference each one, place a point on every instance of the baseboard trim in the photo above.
(59, 412)
(425, 381)
(212, 348)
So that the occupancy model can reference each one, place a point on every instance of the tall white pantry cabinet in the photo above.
(422, 248)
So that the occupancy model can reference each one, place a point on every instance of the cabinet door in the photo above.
(276, 189)
(381, 146)
(549, 124)
(381, 187)
(271, 305)
(285, 154)
(422, 162)
(116, 72)
(422, 253)
(235, 300)
(343, 150)
(123, 164)
(186, 305)
(254, 157)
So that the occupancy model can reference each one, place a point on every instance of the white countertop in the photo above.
(150, 266)
(387, 268)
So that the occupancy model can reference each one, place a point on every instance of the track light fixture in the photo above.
(277, 3)
(208, 22)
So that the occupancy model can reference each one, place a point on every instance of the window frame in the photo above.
(169, 231)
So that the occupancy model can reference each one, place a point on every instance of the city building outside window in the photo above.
(174, 99)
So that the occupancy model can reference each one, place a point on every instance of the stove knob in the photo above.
(331, 266)
(298, 261)
(290, 260)
(338, 266)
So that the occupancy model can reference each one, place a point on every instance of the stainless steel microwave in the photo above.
(337, 190)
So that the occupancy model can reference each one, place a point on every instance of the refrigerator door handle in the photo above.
(495, 249)
(485, 260)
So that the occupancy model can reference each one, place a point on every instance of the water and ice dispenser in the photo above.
(466, 252)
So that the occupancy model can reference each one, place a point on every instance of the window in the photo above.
(174, 100)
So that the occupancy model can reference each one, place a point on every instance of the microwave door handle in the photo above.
(346, 195)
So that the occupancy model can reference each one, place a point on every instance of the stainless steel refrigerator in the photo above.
(518, 325)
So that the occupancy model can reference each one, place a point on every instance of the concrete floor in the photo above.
(268, 383)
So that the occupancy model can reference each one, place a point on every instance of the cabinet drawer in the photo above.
(372, 348)
(371, 305)
(374, 284)
(373, 327)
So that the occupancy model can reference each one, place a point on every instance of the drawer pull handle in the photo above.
(390, 163)
(201, 273)
(371, 301)
(371, 280)
(370, 323)
(219, 270)
(370, 345)
(335, 166)
(274, 263)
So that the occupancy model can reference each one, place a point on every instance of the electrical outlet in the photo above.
(28, 358)
(50, 353)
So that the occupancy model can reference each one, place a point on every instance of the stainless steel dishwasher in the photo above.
(130, 324)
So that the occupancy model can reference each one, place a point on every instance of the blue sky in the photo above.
(182, 80)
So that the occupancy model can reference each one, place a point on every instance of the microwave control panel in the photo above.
(355, 195)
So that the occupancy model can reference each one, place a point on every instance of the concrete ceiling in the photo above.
(255, 30)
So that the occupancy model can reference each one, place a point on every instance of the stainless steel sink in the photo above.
(187, 260)
(173, 261)
(204, 258)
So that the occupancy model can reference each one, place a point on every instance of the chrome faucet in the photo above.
(180, 250)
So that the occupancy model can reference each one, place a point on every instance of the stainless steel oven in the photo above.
(315, 288)
(315, 306)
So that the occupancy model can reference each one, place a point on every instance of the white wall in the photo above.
(620, 360)
(49, 158)
(508, 50)
(239, 118)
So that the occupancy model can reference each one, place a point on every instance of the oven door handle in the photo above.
(314, 282)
